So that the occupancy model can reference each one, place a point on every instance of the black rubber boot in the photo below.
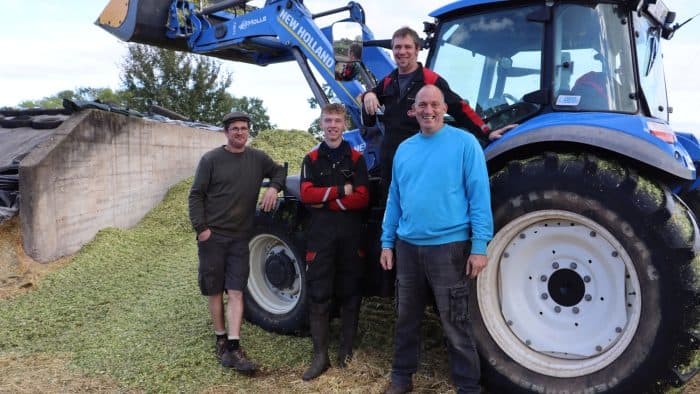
(349, 315)
(318, 324)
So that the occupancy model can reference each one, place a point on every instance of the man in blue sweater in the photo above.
(438, 218)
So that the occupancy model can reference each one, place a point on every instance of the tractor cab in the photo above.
(514, 60)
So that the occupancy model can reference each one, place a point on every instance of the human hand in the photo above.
(204, 235)
(348, 189)
(371, 103)
(498, 133)
(386, 259)
(269, 199)
(475, 264)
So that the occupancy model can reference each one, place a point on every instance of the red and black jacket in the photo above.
(399, 126)
(323, 179)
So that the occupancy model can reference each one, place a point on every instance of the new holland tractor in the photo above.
(593, 279)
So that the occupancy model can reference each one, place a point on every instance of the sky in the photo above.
(54, 45)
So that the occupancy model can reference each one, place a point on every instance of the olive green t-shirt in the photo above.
(226, 187)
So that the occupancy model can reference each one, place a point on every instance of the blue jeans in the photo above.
(441, 268)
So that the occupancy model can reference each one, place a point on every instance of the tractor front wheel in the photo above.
(275, 298)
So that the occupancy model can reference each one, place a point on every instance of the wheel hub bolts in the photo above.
(588, 297)
(573, 266)
(544, 296)
(586, 278)
(555, 265)
(575, 310)
(557, 309)
(543, 278)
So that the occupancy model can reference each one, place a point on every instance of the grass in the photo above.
(127, 310)
(127, 305)
(125, 315)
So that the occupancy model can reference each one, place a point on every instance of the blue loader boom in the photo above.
(281, 31)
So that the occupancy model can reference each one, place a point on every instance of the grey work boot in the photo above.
(318, 325)
(238, 360)
(349, 315)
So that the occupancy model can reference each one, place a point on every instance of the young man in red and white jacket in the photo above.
(334, 183)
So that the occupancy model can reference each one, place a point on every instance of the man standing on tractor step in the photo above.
(397, 92)
(222, 208)
(334, 182)
(438, 218)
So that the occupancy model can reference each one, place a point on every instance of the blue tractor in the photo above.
(593, 281)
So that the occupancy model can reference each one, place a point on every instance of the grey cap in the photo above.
(236, 115)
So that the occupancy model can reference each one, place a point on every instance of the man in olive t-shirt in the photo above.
(222, 209)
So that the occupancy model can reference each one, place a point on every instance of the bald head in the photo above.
(429, 109)
(431, 91)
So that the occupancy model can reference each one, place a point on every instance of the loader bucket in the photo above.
(141, 21)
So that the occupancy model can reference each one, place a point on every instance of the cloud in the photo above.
(56, 47)
(77, 53)
(683, 83)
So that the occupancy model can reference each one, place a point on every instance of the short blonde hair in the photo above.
(334, 108)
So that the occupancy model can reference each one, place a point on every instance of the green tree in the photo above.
(189, 84)
(55, 101)
(253, 106)
(105, 95)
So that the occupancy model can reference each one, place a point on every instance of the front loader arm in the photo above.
(280, 31)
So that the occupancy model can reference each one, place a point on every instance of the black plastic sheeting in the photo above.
(9, 190)
(21, 130)
(15, 143)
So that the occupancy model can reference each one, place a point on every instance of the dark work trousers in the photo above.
(335, 259)
(442, 269)
(386, 160)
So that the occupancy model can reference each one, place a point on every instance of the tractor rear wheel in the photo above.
(593, 279)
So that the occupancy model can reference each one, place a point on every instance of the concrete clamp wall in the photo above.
(98, 170)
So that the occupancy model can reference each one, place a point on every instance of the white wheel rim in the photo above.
(571, 340)
(268, 296)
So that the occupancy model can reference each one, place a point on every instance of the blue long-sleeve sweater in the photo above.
(439, 192)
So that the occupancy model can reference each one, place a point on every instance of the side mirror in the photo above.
(347, 50)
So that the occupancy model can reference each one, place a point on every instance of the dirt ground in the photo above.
(41, 373)
(18, 272)
(50, 374)
(36, 373)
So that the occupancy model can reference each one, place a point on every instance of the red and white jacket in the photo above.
(323, 179)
